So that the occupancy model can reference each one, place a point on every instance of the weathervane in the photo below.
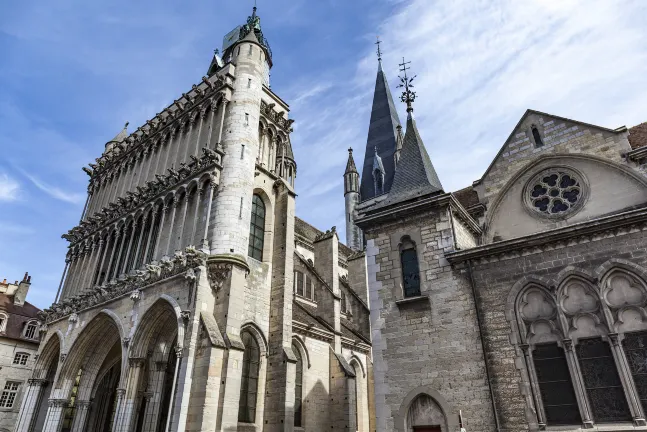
(379, 51)
(408, 96)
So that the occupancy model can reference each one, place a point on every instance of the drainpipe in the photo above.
(487, 366)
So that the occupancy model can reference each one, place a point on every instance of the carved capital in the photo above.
(179, 351)
(135, 295)
(58, 403)
(568, 345)
(136, 362)
(125, 342)
(37, 382)
(73, 318)
(185, 315)
(62, 357)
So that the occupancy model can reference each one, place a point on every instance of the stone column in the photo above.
(100, 279)
(30, 405)
(627, 380)
(60, 285)
(169, 243)
(203, 111)
(138, 251)
(183, 126)
(187, 152)
(159, 232)
(115, 272)
(212, 107)
(118, 409)
(156, 387)
(232, 382)
(81, 415)
(196, 216)
(578, 384)
(70, 274)
(151, 233)
(175, 132)
(326, 263)
(187, 198)
(205, 238)
(129, 249)
(89, 267)
(128, 412)
(56, 408)
(172, 402)
(534, 384)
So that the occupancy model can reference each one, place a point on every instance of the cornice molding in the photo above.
(584, 232)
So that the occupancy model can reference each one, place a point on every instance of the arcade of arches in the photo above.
(106, 382)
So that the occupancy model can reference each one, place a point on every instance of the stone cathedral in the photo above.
(518, 303)
(193, 298)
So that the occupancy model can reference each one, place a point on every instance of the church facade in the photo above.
(518, 303)
(193, 299)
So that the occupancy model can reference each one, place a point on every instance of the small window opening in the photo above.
(249, 83)
(246, 119)
(242, 151)
(537, 137)
(238, 52)
(251, 50)
(410, 268)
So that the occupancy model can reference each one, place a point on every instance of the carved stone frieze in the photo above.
(190, 258)
(267, 110)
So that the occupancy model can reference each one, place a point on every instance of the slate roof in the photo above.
(638, 136)
(18, 317)
(467, 197)
(415, 175)
(382, 133)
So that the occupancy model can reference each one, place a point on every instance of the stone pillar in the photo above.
(81, 415)
(342, 394)
(281, 362)
(627, 380)
(231, 393)
(156, 387)
(205, 238)
(129, 248)
(196, 215)
(203, 112)
(180, 235)
(326, 263)
(118, 409)
(30, 405)
(54, 418)
(539, 403)
(578, 384)
(171, 227)
(159, 232)
(128, 409)
(60, 285)
(240, 141)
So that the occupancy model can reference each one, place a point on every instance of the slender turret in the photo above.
(351, 197)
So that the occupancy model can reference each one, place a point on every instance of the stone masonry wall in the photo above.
(494, 281)
(432, 342)
(15, 373)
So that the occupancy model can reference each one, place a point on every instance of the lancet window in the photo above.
(410, 268)
(577, 341)
(298, 388)
(249, 379)
(257, 229)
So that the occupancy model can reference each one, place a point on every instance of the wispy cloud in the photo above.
(12, 228)
(54, 191)
(9, 188)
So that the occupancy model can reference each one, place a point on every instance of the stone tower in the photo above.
(351, 198)
(240, 140)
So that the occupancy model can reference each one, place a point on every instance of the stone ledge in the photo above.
(418, 299)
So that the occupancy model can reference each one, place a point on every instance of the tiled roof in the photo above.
(18, 317)
(467, 197)
(638, 136)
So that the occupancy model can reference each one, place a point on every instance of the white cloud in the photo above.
(9, 188)
(54, 191)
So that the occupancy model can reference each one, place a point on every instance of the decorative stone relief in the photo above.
(218, 273)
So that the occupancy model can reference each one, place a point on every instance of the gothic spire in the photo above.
(350, 165)
(382, 133)
(415, 175)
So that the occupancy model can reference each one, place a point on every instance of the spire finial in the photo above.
(379, 50)
(126, 125)
(408, 96)
(254, 10)
(350, 150)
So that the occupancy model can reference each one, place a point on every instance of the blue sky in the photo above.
(73, 72)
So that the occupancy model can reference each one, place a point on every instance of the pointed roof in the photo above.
(350, 165)
(377, 162)
(119, 138)
(382, 133)
(415, 175)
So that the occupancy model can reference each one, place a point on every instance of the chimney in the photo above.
(21, 292)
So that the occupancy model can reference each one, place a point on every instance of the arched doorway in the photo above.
(104, 394)
(154, 349)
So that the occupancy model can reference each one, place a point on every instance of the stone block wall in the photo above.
(15, 373)
(432, 342)
(494, 280)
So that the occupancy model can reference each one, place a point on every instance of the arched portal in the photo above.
(153, 367)
(102, 409)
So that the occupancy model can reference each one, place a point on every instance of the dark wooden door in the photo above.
(426, 429)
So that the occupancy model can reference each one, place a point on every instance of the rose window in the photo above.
(555, 192)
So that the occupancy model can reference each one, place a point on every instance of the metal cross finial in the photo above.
(408, 96)
(379, 51)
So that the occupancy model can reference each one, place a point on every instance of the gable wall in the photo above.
(559, 136)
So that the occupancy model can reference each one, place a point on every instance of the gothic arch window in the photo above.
(298, 388)
(536, 136)
(257, 229)
(3, 321)
(249, 379)
(410, 268)
(378, 176)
